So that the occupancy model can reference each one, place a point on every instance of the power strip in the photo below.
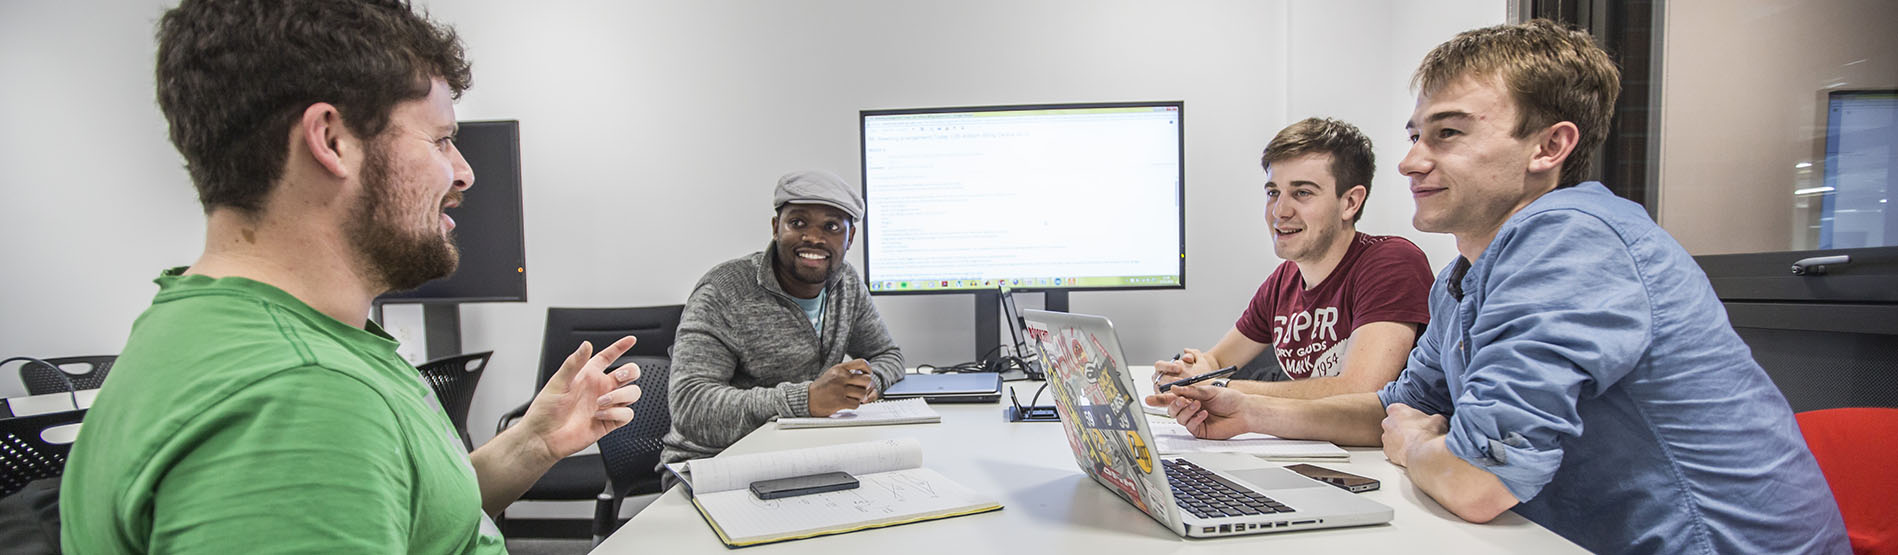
(1037, 413)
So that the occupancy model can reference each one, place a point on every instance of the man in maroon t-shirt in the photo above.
(1345, 308)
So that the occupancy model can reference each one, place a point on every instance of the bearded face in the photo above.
(399, 228)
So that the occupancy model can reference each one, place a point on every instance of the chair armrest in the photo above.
(508, 418)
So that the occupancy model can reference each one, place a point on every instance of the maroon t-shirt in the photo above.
(1381, 279)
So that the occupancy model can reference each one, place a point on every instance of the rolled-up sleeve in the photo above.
(1563, 315)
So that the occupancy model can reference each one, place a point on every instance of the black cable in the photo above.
(71, 390)
(1029, 413)
(990, 362)
(1022, 361)
(990, 352)
(958, 368)
(981, 364)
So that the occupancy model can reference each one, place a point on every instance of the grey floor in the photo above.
(551, 546)
(540, 546)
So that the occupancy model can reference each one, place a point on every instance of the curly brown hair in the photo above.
(1352, 161)
(1554, 73)
(234, 76)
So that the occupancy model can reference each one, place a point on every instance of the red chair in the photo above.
(1856, 448)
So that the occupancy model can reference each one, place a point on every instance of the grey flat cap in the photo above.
(818, 187)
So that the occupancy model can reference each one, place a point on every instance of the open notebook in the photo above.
(895, 489)
(906, 411)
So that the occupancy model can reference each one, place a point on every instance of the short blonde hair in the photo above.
(1555, 73)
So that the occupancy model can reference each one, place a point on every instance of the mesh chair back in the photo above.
(25, 456)
(86, 372)
(454, 379)
(655, 326)
(631, 453)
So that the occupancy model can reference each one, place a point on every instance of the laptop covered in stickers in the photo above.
(1197, 495)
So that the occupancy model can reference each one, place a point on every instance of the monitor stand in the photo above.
(441, 328)
(988, 318)
(442, 322)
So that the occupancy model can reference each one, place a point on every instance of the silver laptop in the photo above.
(977, 387)
(1199, 495)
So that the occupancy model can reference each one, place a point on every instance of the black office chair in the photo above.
(631, 453)
(454, 379)
(584, 477)
(30, 467)
(25, 456)
(82, 372)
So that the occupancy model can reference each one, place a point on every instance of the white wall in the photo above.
(96, 202)
(652, 133)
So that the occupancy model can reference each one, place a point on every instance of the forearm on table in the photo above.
(1312, 388)
(1472, 493)
(1353, 419)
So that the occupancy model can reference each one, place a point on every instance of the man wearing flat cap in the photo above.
(768, 334)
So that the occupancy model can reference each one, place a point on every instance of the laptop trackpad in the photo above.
(1275, 478)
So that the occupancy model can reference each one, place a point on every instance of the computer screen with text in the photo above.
(1861, 171)
(1067, 197)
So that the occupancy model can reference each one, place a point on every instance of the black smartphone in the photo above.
(803, 485)
(1220, 373)
(1344, 480)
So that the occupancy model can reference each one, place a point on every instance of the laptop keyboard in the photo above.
(1208, 495)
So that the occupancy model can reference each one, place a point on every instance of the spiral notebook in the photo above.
(895, 489)
(906, 411)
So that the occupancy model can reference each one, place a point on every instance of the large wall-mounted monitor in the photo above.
(1060, 197)
(488, 226)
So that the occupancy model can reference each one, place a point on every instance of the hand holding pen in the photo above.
(1181, 366)
(844, 386)
(1213, 375)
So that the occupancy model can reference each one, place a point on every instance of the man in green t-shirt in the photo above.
(255, 408)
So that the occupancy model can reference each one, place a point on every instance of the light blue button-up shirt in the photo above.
(1585, 361)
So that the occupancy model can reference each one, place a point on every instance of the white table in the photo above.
(1051, 507)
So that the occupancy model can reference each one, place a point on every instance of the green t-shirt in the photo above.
(240, 420)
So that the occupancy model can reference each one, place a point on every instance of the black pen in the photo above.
(1220, 373)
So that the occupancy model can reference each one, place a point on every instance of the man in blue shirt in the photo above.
(1578, 367)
